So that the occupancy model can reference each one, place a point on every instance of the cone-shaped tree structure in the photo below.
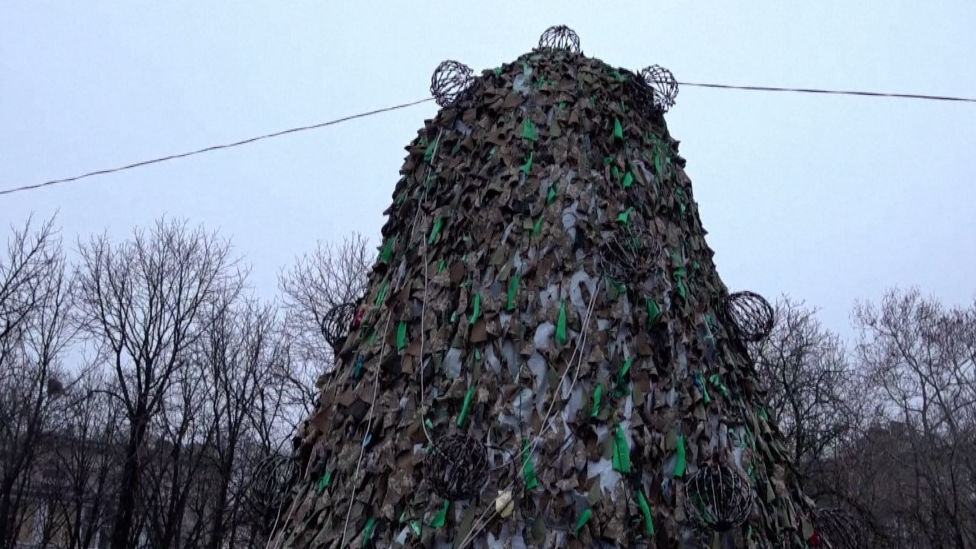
(546, 356)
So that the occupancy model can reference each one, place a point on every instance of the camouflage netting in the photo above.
(545, 356)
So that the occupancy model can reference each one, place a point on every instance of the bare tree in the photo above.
(331, 275)
(87, 459)
(141, 302)
(245, 355)
(35, 298)
(919, 356)
(809, 384)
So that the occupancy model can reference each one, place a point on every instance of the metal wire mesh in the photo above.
(663, 84)
(628, 254)
(271, 483)
(456, 467)
(751, 315)
(560, 37)
(450, 81)
(839, 527)
(718, 497)
(336, 323)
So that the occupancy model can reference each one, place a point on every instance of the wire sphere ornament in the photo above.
(718, 497)
(662, 84)
(336, 323)
(456, 467)
(839, 527)
(751, 315)
(628, 254)
(560, 37)
(271, 484)
(450, 81)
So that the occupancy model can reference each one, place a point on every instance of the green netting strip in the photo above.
(628, 179)
(623, 385)
(466, 406)
(597, 395)
(513, 283)
(621, 451)
(401, 337)
(646, 511)
(436, 229)
(368, 531)
(652, 310)
(583, 518)
(323, 482)
(476, 308)
(528, 468)
(553, 189)
(441, 517)
(679, 461)
(387, 252)
(624, 216)
(561, 324)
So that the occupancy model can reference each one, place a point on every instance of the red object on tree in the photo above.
(359, 316)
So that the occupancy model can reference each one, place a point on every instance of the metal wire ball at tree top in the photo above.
(839, 527)
(560, 37)
(751, 314)
(336, 323)
(663, 85)
(450, 81)
(718, 497)
(456, 467)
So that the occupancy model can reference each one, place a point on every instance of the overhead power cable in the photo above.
(412, 103)
(212, 148)
(833, 92)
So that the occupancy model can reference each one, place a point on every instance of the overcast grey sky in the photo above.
(827, 198)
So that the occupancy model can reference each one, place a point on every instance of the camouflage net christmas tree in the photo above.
(546, 356)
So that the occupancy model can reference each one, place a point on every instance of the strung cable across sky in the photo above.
(649, 73)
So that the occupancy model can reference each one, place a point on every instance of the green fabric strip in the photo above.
(553, 189)
(323, 482)
(387, 252)
(528, 130)
(716, 380)
(652, 311)
(614, 288)
(513, 283)
(628, 179)
(583, 518)
(561, 324)
(618, 129)
(436, 229)
(646, 511)
(528, 468)
(597, 394)
(368, 531)
(679, 461)
(477, 308)
(624, 216)
(537, 226)
(441, 517)
(524, 168)
(466, 406)
(621, 452)
(401, 337)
